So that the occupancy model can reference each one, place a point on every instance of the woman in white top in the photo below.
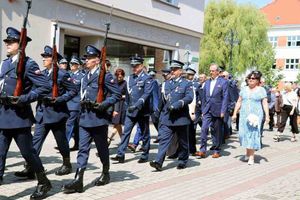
(290, 99)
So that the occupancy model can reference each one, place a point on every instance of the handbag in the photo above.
(252, 119)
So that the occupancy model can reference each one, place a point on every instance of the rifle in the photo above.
(22, 56)
(54, 66)
(101, 79)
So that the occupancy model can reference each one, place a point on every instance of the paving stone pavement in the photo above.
(275, 175)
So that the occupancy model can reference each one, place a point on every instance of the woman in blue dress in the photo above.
(252, 104)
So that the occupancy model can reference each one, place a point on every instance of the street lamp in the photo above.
(231, 40)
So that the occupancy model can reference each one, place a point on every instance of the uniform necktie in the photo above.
(47, 72)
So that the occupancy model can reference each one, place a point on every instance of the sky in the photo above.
(258, 3)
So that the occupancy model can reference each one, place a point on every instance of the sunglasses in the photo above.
(252, 78)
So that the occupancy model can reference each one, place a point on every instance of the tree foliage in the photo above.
(249, 25)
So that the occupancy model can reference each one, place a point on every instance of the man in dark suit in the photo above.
(139, 90)
(199, 97)
(214, 107)
(72, 125)
(16, 114)
(52, 114)
(177, 94)
(94, 120)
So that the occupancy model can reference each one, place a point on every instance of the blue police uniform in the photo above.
(139, 89)
(154, 99)
(72, 125)
(53, 116)
(174, 118)
(93, 124)
(17, 118)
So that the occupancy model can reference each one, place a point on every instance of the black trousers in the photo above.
(285, 114)
(23, 139)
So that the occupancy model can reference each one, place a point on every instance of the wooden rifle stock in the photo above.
(54, 66)
(22, 56)
(101, 79)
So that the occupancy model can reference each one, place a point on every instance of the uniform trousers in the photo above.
(166, 135)
(72, 125)
(23, 139)
(192, 137)
(86, 136)
(216, 125)
(59, 132)
(143, 122)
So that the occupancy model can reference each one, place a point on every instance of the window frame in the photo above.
(293, 41)
(292, 63)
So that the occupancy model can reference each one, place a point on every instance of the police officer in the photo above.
(52, 114)
(16, 113)
(94, 120)
(166, 74)
(63, 64)
(177, 93)
(139, 89)
(72, 125)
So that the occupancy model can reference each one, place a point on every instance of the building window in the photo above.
(274, 64)
(71, 47)
(173, 2)
(293, 41)
(292, 63)
(273, 41)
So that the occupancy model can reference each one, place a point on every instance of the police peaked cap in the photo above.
(166, 71)
(48, 52)
(190, 71)
(136, 60)
(75, 60)
(13, 35)
(176, 64)
(92, 51)
(152, 72)
(63, 61)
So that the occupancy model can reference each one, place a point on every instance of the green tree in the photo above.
(249, 27)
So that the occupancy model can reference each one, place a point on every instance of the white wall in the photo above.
(189, 14)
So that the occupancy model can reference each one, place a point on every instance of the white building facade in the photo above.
(159, 30)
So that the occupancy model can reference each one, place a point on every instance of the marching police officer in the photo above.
(94, 120)
(72, 126)
(174, 118)
(16, 113)
(63, 64)
(52, 114)
(139, 89)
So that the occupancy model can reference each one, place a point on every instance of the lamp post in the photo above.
(231, 40)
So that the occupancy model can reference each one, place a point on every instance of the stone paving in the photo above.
(275, 175)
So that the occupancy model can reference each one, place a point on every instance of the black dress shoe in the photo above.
(26, 173)
(103, 179)
(65, 169)
(156, 165)
(181, 166)
(42, 188)
(76, 185)
(118, 158)
(142, 160)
